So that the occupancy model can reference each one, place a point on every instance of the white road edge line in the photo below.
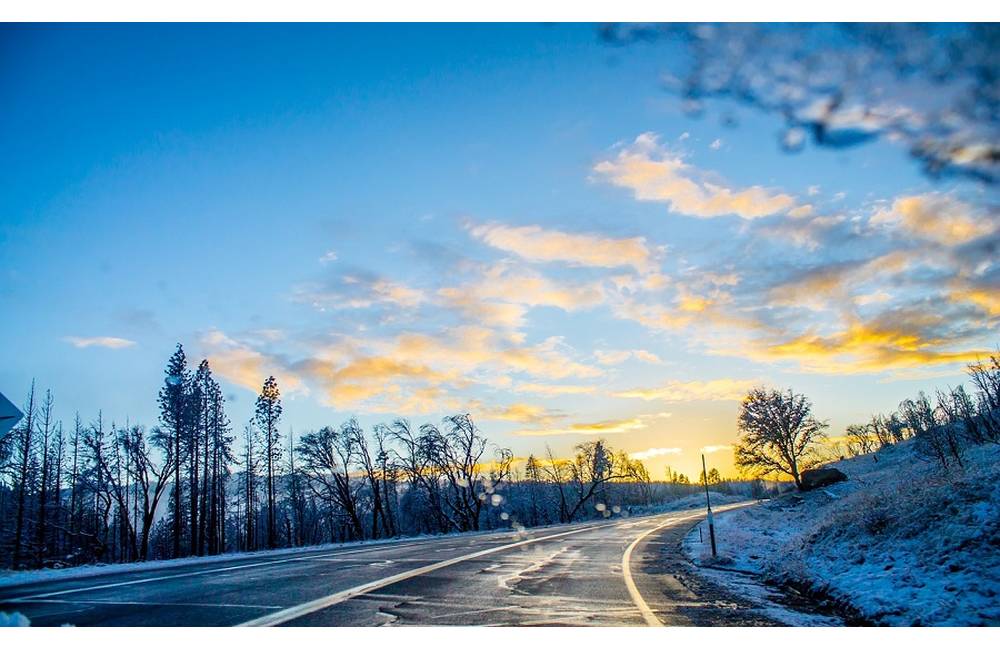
(298, 611)
(647, 613)
(633, 591)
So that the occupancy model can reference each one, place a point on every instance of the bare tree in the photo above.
(986, 377)
(150, 479)
(418, 462)
(251, 464)
(380, 521)
(457, 452)
(23, 457)
(587, 475)
(47, 430)
(327, 456)
(860, 439)
(778, 433)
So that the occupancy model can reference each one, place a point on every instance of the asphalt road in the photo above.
(615, 572)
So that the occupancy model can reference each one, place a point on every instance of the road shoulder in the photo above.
(746, 586)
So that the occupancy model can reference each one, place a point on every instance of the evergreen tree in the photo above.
(174, 416)
(267, 415)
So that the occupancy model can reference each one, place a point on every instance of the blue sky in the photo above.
(514, 221)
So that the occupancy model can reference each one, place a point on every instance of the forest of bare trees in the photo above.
(780, 436)
(943, 428)
(106, 491)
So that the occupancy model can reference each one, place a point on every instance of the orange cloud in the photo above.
(589, 428)
(938, 218)
(247, 367)
(655, 174)
(685, 391)
(540, 245)
(553, 389)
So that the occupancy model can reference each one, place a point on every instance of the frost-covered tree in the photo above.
(779, 433)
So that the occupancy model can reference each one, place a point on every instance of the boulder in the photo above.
(817, 478)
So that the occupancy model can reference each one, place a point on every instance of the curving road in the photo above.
(618, 572)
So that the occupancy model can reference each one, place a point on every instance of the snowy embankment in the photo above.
(901, 542)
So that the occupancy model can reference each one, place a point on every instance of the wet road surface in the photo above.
(616, 572)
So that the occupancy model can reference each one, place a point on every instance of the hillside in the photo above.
(901, 542)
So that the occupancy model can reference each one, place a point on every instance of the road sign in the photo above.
(9, 415)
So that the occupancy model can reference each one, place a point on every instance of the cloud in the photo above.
(329, 256)
(359, 290)
(654, 452)
(684, 391)
(244, 366)
(601, 428)
(711, 449)
(655, 174)
(872, 298)
(553, 389)
(410, 373)
(474, 308)
(899, 338)
(112, 342)
(615, 357)
(716, 144)
(936, 217)
(519, 412)
(502, 294)
(541, 245)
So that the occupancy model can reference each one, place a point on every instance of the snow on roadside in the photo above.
(900, 542)
(769, 600)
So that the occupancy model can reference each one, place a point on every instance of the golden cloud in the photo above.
(686, 391)
(246, 367)
(553, 389)
(654, 452)
(937, 217)
(541, 245)
(655, 174)
(589, 428)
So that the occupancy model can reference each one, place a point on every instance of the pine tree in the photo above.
(267, 414)
(219, 456)
(174, 412)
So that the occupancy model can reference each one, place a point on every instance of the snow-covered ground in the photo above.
(901, 542)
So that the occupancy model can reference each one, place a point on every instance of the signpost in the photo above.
(708, 501)
(9, 415)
